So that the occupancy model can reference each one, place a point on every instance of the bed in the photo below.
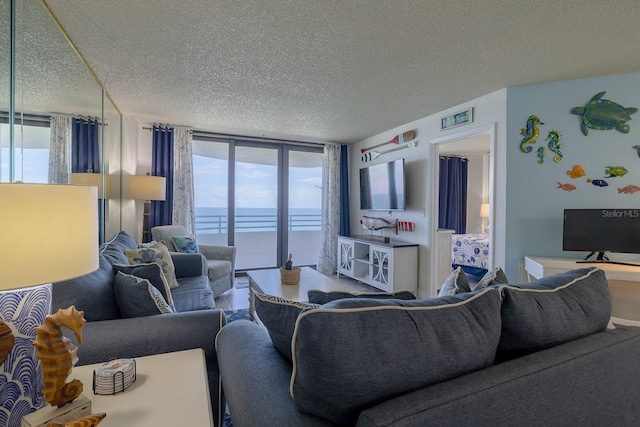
(471, 252)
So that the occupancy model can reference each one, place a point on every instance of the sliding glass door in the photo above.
(263, 198)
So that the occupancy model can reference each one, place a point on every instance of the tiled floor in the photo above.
(238, 297)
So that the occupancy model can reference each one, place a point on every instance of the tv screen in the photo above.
(382, 186)
(601, 230)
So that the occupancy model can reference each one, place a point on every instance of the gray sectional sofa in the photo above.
(536, 354)
(108, 335)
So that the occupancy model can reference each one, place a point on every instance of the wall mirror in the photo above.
(50, 79)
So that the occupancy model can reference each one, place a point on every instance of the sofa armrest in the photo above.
(262, 371)
(225, 253)
(189, 265)
(145, 336)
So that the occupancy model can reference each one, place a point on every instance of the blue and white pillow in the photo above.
(456, 283)
(185, 244)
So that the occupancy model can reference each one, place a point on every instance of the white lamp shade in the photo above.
(49, 233)
(91, 179)
(147, 187)
(484, 210)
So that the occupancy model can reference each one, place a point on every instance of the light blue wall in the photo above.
(534, 205)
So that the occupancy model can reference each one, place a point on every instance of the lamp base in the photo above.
(71, 411)
(22, 310)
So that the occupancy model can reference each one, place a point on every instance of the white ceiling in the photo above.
(325, 70)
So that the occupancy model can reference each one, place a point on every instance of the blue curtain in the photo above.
(345, 223)
(452, 213)
(85, 150)
(161, 212)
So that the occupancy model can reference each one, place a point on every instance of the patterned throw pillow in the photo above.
(137, 297)
(456, 283)
(159, 254)
(279, 316)
(493, 277)
(185, 244)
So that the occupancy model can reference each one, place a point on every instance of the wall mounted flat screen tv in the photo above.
(601, 230)
(382, 187)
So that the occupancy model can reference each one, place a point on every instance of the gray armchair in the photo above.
(221, 260)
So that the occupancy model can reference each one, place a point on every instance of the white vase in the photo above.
(23, 310)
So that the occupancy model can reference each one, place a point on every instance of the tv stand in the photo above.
(602, 259)
(624, 281)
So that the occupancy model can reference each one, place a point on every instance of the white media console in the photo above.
(389, 266)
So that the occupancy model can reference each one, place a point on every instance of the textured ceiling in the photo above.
(323, 70)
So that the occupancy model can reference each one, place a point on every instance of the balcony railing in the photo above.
(218, 224)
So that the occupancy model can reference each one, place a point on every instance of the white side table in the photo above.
(170, 390)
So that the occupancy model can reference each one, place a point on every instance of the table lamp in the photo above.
(147, 188)
(49, 233)
(484, 213)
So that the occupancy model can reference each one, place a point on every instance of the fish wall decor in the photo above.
(530, 133)
(373, 223)
(576, 172)
(598, 182)
(613, 171)
(628, 189)
(566, 187)
(603, 114)
(554, 144)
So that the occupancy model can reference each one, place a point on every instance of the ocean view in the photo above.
(214, 220)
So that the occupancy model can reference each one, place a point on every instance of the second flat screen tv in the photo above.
(382, 187)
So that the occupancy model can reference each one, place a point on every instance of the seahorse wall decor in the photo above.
(58, 355)
(530, 133)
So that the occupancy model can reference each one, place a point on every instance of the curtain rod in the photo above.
(247, 138)
(47, 118)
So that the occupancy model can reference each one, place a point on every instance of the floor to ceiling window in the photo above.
(31, 153)
(263, 198)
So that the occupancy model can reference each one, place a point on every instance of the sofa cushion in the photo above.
(316, 296)
(279, 316)
(185, 244)
(353, 353)
(157, 253)
(456, 283)
(137, 297)
(150, 271)
(493, 277)
(553, 310)
(194, 293)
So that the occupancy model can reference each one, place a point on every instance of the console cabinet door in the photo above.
(380, 261)
(345, 257)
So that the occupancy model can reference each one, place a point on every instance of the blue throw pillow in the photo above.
(493, 277)
(553, 310)
(185, 244)
(316, 296)
(279, 316)
(153, 273)
(138, 297)
(353, 353)
(456, 283)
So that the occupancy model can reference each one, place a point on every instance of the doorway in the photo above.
(478, 144)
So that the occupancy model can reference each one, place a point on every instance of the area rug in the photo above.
(237, 314)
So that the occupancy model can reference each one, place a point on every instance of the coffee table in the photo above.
(267, 281)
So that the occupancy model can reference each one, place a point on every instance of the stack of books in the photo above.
(114, 376)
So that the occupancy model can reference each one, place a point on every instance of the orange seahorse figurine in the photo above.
(58, 355)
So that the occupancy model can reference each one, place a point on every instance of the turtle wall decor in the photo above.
(603, 114)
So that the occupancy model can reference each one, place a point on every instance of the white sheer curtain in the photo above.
(60, 150)
(183, 195)
(327, 263)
